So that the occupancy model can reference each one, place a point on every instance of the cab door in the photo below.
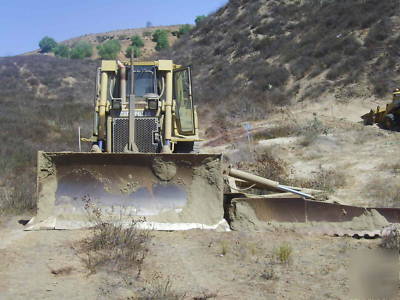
(184, 111)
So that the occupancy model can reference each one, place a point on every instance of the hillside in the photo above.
(43, 101)
(251, 60)
(123, 36)
(280, 87)
(250, 57)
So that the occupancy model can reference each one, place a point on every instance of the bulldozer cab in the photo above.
(145, 107)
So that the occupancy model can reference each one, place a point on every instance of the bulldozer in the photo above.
(143, 163)
(387, 118)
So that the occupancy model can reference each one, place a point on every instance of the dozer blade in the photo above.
(309, 216)
(170, 191)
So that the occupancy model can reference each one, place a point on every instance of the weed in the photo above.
(283, 253)
(393, 167)
(265, 164)
(386, 191)
(391, 238)
(312, 130)
(224, 248)
(159, 288)
(269, 274)
(112, 243)
(324, 179)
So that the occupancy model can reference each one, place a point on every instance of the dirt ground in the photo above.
(235, 265)
(195, 264)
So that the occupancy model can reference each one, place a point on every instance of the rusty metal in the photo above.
(300, 210)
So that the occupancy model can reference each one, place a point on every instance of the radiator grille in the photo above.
(145, 130)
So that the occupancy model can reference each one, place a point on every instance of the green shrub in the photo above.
(183, 30)
(137, 41)
(283, 253)
(199, 19)
(81, 50)
(109, 49)
(62, 51)
(160, 36)
(47, 44)
(136, 52)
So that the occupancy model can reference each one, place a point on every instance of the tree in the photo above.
(184, 29)
(109, 49)
(47, 44)
(62, 50)
(137, 41)
(81, 50)
(148, 24)
(199, 19)
(160, 36)
(136, 52)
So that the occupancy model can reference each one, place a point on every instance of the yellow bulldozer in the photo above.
(387, 118)
(144, 163)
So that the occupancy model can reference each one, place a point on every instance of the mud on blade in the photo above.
(162, 188)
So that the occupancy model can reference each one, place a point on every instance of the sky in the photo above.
(24, 22)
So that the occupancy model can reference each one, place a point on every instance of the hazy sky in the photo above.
(24, 22)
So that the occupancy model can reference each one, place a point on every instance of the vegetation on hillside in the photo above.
(160, 37)
(43, 101)
(47, 44)
(135, 48)
(82, 49)
(256, 55)
(199, 19)
(109, 49)
(184, 29)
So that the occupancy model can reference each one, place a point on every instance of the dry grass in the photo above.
(18, 196)
(280, 130)
(384, 192)
(224, 247)
(264, 163)
(392, 167)
(391, 238)
(39, 112)
(327, 180)
(158, 288)
(269, 274)
(311, 131)
(283, 253)
(112, 243)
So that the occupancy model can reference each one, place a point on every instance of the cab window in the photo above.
(184, 102)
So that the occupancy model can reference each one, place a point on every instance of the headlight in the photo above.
(152, 104)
